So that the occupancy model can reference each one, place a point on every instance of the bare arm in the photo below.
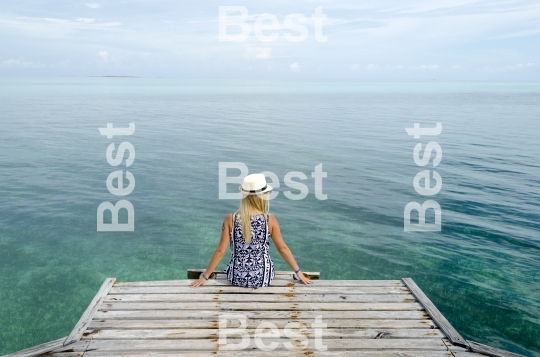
(282, 248)
(219, 252)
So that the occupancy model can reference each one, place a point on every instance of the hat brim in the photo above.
(244, 193)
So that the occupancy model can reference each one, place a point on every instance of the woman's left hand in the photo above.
(198, 282)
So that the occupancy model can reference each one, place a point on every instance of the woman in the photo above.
(248, 231)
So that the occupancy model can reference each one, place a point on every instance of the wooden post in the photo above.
(219, 274)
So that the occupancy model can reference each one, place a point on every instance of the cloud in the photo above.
(429, 66)
(104, 55)
(18, 63)
(514, 67)
(85, 20)
(519, 66)
(431, 6)
(258, 53)
(49, 27)
(61, 64)
(374, 67)
(417, 26)
(386, 39)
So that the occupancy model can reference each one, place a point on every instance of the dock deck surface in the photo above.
(375, 318)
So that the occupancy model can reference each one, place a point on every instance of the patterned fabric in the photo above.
(250, 264)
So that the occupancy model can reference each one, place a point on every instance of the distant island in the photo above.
(117, 76)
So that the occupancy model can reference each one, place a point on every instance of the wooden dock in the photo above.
(364, 318)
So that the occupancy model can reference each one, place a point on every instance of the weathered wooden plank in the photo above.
(253, 323)
(293, 288)
(356, 353)
(195, 273)
(35, 350)
(491, 351)
(86, 317)
(276, 282)
(363, 318)
(441, 321)
(306, 330)
(463, 354)
(337, 298)
(242, 306)
(79, 346)
(212, 344)
(214, 314)
(452, 347)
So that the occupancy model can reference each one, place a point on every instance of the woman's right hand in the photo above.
(303, 278)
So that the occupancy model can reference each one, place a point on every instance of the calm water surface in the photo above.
(481, 270)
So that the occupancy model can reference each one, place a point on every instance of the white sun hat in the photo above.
(254, 184)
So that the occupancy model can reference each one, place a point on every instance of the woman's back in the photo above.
(250, 264)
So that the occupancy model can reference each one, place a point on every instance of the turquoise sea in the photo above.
(482, 270)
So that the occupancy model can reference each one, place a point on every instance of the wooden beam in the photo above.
(219, 274)
(298, 297)
(292, 287)
(490, 351)
(79, 346)
(278, 281)
(435, 314)
(289, 353)
(116, 347)
(257, 306)
(252, 323)
(261, 314)
(167, 334)
(85, 319)
(39, 349)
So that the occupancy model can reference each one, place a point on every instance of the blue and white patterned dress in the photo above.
(250, 264)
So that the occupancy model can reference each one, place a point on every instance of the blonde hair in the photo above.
(249, 204)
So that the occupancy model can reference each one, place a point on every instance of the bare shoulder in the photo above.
(272, 219)
(227, 221)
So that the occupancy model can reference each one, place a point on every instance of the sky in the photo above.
(301, 39)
